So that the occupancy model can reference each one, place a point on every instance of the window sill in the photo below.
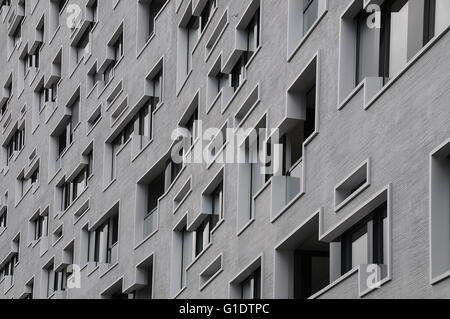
(146, 239)
(196, 258)
(249, 223)
(203, 287)
(179, 292)
(182, 201)
(56, 242)
(94, 126)
(110, 268)
(92, 90)
(62, 213)
(227, 105)
(218, 154)
(211, 105)
(286, 208)
(345, 202)
(383, 89)
(200, 37)
(147, 145)
(183, 84)
(146, 44)
(93, 270)
(109, 184)
(413, 60)
(99, 94)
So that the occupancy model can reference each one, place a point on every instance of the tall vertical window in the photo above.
(310, 13)
(4, 219)
(357, 249)
(251, 286)
(207, 13)
(105, 239)
(406, 26)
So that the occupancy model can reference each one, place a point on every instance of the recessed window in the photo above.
(40, 227)
(148, 10)
(440, 213)
(382, 53)
(357, 249)
(105, 239)
(250, 288)
(352, 185)
(3, 218)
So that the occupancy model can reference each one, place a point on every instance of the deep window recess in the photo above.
(310, 13)
(251, 286)
(406, 26)
(105, 239)
(15, 144)
(366, 242)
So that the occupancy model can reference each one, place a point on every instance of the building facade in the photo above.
(331, 180)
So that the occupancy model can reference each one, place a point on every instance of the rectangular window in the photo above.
(15, 144)
(440, 213)
(310, 13)
(357, 249)
(40, 227)
(406, 26)
(251, 286)
(3, 219)
(105, 239)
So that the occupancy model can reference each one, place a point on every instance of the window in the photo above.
(145, 291)
(40, 227)
(15, 144)
(250, 288)
(217, 204)
(65, 137)
(155, 189)
(302, 262)
(105, 239)
(352, 185)
(237, 75)
(406, 26)
(147, 13)
(71, 190)
(207, 13)
(203, 236)
(310, 13)
(90, 165)
(440, 213)
(357, 249)
(93, 8)
(3, 219)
